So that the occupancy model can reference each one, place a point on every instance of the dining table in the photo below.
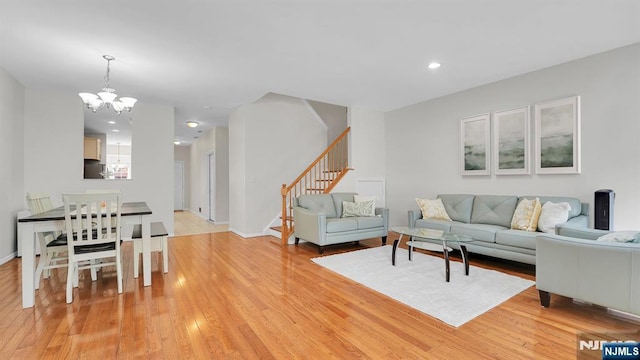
(132, 213)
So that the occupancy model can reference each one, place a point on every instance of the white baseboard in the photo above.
(8, 258)
(244, 235)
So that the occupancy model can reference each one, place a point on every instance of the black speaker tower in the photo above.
(603, 213)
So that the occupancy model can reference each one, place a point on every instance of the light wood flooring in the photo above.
(226, 297)
(188, 223)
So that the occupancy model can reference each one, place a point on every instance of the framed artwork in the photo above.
(474, 141)
(511, 141)
(558, 136)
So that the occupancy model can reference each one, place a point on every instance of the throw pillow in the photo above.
(365, 208)
(553, 214)
(526, 215)
(620, 236)
(432, 209)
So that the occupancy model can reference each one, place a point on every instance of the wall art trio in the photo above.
(557, 140)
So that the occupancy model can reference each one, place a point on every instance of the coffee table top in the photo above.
(431, 234)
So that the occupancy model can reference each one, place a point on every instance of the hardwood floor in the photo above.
(229, 297)
(188, 223)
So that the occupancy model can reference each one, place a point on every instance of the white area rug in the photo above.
(421, 283)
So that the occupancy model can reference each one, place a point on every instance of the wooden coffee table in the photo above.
(424, 239)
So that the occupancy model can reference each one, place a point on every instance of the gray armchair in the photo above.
(317, 219)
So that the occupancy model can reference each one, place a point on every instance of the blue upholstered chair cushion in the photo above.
(458, 206)
(319, 203)
(493, 209)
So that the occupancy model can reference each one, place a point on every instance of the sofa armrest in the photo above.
(413, 216)
(309, 225)
(577, 222)
(580, 232)
(384, 212)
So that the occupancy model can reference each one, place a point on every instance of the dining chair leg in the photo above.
(136, 258)
(119, 272)
(165, 255)
(70, 282)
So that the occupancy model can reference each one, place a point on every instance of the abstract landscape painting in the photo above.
(558, 136)
(475, 145)
(511, 141)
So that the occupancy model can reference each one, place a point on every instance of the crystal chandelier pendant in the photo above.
(107, 97)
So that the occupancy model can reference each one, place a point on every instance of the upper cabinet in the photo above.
(92, 149)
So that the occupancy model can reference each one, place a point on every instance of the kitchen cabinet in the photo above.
(92, 149)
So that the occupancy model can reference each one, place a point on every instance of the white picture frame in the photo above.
(511, 146)
(474, 144)
(557, 136)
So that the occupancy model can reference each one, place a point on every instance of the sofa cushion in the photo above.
(493, 209)
(576, 205)
(437, 224)
(458, 206)
(341, 224)
(371, 222)
(319, 203)
(479, 232)
(338, 198)
(517, 238)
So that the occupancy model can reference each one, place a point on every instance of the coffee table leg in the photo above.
(410, 250)
(446, 261)
(393, 252)
(465, 259)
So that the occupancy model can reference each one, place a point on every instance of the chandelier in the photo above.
(107, 97)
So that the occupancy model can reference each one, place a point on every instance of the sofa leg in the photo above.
(545, 298)
(297, 240)
(320, 250)
(384, 240)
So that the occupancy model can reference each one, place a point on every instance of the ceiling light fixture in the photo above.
(176, 142)
(108, 95)
(434, 65)
(192, 124)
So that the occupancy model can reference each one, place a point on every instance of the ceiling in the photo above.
(205, 58)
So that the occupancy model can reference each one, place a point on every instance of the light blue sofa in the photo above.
(579, 267)
(487, 219)
(317, 219)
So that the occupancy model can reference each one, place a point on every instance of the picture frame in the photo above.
(474, 144)
(557, 136)
(511, 146)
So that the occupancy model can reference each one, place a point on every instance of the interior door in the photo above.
(178, 185)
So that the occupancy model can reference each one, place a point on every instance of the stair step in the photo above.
(276, 228)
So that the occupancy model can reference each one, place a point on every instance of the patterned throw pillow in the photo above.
(526, 215)
(432, 209)
(364, 208)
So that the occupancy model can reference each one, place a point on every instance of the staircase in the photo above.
(320, 177)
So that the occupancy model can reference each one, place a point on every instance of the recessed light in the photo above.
(192, 124)
(176, 142)
(115, 130)
(111, 122)
(434, 65)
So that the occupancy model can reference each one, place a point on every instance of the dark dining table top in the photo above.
(127, 209)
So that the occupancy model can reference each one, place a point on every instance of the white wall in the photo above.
(216, 142)
(335, 116)
(53, 146)
(12, 160)
(423, 140)
(222, 175)
(367, 147)
(270, 143)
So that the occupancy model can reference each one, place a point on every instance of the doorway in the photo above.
(212, 187)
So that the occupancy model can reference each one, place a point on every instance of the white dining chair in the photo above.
(53, 245)
(95, 222)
